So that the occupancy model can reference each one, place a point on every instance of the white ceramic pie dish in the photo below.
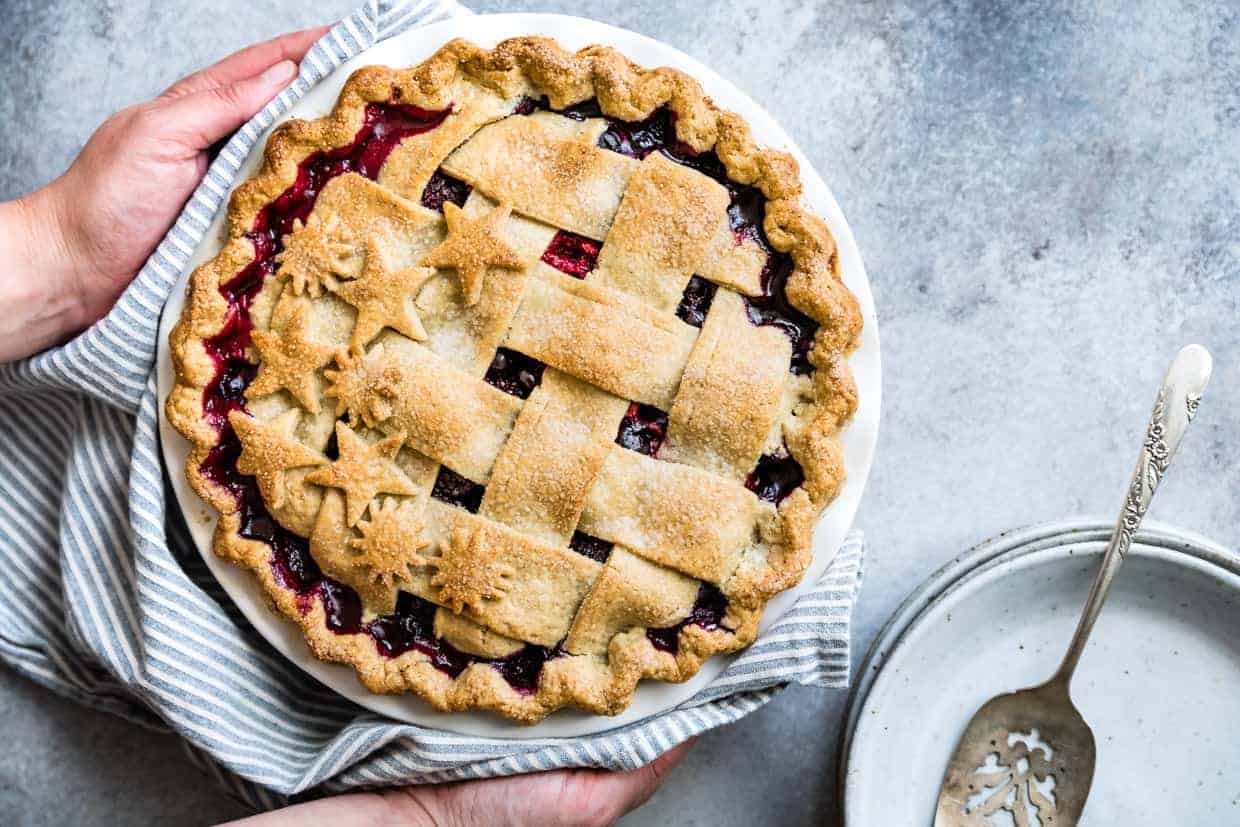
(1158, 682)
(858, 440)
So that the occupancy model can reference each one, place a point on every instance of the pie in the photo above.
(518, 378)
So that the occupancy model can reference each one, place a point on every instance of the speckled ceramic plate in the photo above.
(858, 440)
(1159, 682)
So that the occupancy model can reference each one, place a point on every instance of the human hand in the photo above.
(78, 242)
(559, 798)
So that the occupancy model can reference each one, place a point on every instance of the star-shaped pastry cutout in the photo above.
(363, 470)
(289, 359)
(473, 246)
(384, 298)
(315, 254)
(390, 541)
(469, 571)
(366, 386)
(268, 449)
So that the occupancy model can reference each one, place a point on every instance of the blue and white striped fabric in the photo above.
(108, 602)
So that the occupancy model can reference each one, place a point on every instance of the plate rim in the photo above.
(1167, 541)
(489, 28)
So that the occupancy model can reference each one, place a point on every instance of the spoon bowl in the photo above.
(1027, 752)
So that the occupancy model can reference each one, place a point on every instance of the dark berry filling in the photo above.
(514, 372)
(452, 488)
(227, 391)
(412, 626)
(233, 373)
(577, 112)
(233, 340)
(443, 188)
(746, 212)
(581, 111)
(522, 668)
(571, 253)
(695, 302)
(643, 429)
(775, 477)
(773, 308)
(291, 562)
(708, 611)
(341, 606)
(637, 140)
(332, 449)
(591, 546)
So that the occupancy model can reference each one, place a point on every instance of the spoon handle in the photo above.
(1175, 407)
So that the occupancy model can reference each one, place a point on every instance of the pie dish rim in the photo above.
(580, 32)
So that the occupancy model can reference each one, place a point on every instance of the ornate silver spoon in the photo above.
(1027, 757)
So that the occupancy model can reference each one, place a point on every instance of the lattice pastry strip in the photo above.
(585, 195)
(601, 337)
(559, 179)
(400, 386)
(472, 637)
(411, 164)
(677, 515)
(661, 232)
(362, 210)
(630, 592)
(588, 130)
(563, 434)
(527, 236)
(467, 335)
(731, 394)
(732, 261)
(507, 581)
(497, 577)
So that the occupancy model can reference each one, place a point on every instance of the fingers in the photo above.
(201, 109)
(199, 119)
(642, 782)
(559, 797)
(248, 62)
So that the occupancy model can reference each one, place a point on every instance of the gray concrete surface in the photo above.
(1046, 197)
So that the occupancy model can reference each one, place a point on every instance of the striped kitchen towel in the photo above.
(108, 602)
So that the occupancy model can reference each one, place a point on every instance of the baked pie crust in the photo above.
(518, 378)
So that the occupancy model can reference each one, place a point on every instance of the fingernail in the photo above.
(279, 74)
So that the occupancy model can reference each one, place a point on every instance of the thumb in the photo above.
(202, 118)
(626, 791)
